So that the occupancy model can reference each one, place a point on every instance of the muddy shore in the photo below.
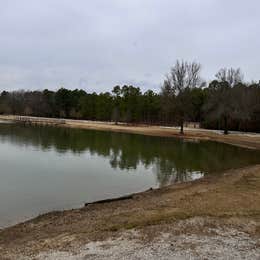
(204, 209)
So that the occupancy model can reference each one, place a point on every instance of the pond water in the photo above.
(47, 168)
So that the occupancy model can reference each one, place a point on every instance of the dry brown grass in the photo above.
(234, 197)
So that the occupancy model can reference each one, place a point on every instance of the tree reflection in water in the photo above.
(172, 160)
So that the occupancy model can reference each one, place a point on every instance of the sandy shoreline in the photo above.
(224, 209)
(247, 140)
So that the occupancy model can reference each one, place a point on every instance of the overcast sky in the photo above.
(95, 45)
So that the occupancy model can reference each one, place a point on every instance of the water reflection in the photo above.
(172, 160)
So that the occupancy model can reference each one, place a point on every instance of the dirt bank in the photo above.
(230, 202)
(206, 218)
(220, 242)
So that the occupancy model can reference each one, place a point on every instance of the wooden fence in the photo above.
(39, 120)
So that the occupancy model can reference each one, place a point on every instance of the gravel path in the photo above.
(222, 244)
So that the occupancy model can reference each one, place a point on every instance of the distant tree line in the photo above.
(226, 103)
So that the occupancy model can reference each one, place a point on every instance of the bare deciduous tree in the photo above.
(220, 104)
(182, 77)
(231, 76)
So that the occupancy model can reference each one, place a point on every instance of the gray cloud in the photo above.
(97, 44)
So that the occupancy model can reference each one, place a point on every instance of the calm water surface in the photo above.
(48, 168)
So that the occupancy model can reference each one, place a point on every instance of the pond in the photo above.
(51, 168)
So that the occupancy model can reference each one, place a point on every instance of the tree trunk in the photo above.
(181, 131)
(225, 125)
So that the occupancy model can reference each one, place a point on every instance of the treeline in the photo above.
(125, 104)
(226, 103)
